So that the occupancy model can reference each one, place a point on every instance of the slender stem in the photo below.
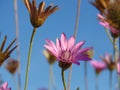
(114, 50)
(110, 83)
(51, 79)
(118, 82)
(49, 84)
(63, 79)
(29, 56)
(69, 77)
(110, 38)
(15, 83)
(17, 36)
(96, 79)
(85, 74)
(75, 34)
(77, 18)
(119, 75)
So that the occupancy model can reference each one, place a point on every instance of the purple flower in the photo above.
(5, 87)
(66, 51)
(98, 66)
(107, 58)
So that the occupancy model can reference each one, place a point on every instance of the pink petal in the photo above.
(77, 47)
(51, 43)
(5, 85)
(51, 50)
(83, 58)
(63, 41)
(75, 62)
(58, 45)
(118, 68)
(71, 43)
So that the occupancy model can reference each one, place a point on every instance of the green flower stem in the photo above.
(119, 56)
(119, 82)
(111, 39)
(15, 83)
(29, 56)
(110, 83)
(17, 41)
(63, 79)
(85, 76)
(96, 79)
(51, 79)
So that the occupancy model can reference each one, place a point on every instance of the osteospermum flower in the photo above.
(67, 52)
(109, 62)
(38, 16)
(4, 54)
(98, 66)
(5, 87)
(12, 65)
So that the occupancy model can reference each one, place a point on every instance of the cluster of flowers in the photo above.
(109, 17)
(66, 52)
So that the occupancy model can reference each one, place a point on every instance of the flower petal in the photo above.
(51, 43)
(70, 43)
(83, 57)
(58, 45)
(77, 47)
(63, 41)
(50, 49)
(5, 85)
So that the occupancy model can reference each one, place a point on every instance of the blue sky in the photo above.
(61, 21)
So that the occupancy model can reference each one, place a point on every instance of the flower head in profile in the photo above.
(12, 65)
(4, 54)
(109, 62)
(39, 15)
(110, 18)
(67, 52)
(5, 87)
(98, 66)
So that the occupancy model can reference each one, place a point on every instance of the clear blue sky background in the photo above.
(61, 21)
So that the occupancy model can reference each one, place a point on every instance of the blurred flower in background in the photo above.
(4, 54)
(5, 87)
(12, 65)
(101, 5)
(49, 56)
(109, 15)
(118, 68)
(98, 66)
(109, 62)
(38, 16)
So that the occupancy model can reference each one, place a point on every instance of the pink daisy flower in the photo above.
(98, 66)
(5, 87)
(66, 51)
